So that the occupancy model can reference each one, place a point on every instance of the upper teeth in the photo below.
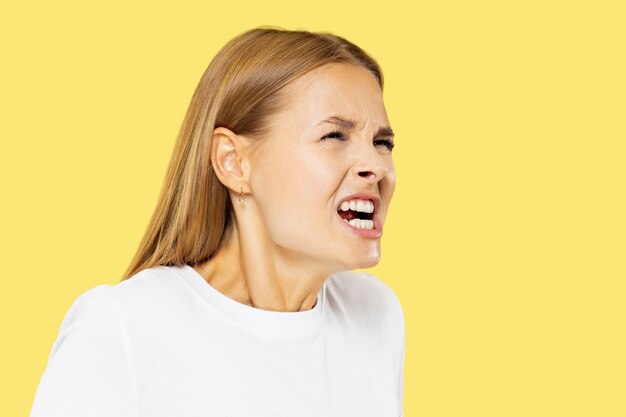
(364, 206)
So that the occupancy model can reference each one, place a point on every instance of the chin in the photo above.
(366, 260)
(355, 257)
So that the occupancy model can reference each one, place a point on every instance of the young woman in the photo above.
(242, 299)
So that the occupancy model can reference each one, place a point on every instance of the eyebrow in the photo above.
(383, 131)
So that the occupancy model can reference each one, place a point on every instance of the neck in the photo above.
(259, 274)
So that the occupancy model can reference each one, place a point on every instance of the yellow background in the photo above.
(506, 236)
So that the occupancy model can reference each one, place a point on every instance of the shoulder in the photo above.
(91, 349)
(366, 295)
(362, 287)
(146, 293)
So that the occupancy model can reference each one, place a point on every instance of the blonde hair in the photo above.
(239, 90)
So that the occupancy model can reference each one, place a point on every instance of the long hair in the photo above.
(239, 90)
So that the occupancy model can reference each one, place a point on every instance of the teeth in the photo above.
(364, 206)
(361, 224)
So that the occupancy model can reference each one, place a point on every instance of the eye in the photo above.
(340, 135)
(334, 135)
(386, 142)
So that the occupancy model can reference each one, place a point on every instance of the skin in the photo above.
(286, 238)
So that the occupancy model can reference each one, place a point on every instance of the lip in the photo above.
(362, 196)
(374, 233)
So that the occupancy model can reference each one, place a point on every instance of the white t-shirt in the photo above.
(165, 343)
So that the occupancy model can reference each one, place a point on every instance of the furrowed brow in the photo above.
(340, 121)
(383, 131)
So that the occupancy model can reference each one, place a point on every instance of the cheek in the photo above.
(388, 183)
(320, 177)
(391, 181)
(296, 193)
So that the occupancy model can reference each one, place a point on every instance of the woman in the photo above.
(241, 300)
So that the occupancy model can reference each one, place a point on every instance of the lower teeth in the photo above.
(361, 224)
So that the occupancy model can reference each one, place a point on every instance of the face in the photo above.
(306, 167)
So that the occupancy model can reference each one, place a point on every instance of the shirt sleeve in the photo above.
(401, 381)
(401, 364)
(90, 370)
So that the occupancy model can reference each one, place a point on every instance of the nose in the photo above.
(372, 175)
(371, 169)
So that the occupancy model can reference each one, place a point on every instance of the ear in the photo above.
(228, 158)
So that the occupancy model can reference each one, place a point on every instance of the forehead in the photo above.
(333, 89)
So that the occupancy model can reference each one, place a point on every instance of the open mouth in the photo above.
(354, 214)
(359, 213)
